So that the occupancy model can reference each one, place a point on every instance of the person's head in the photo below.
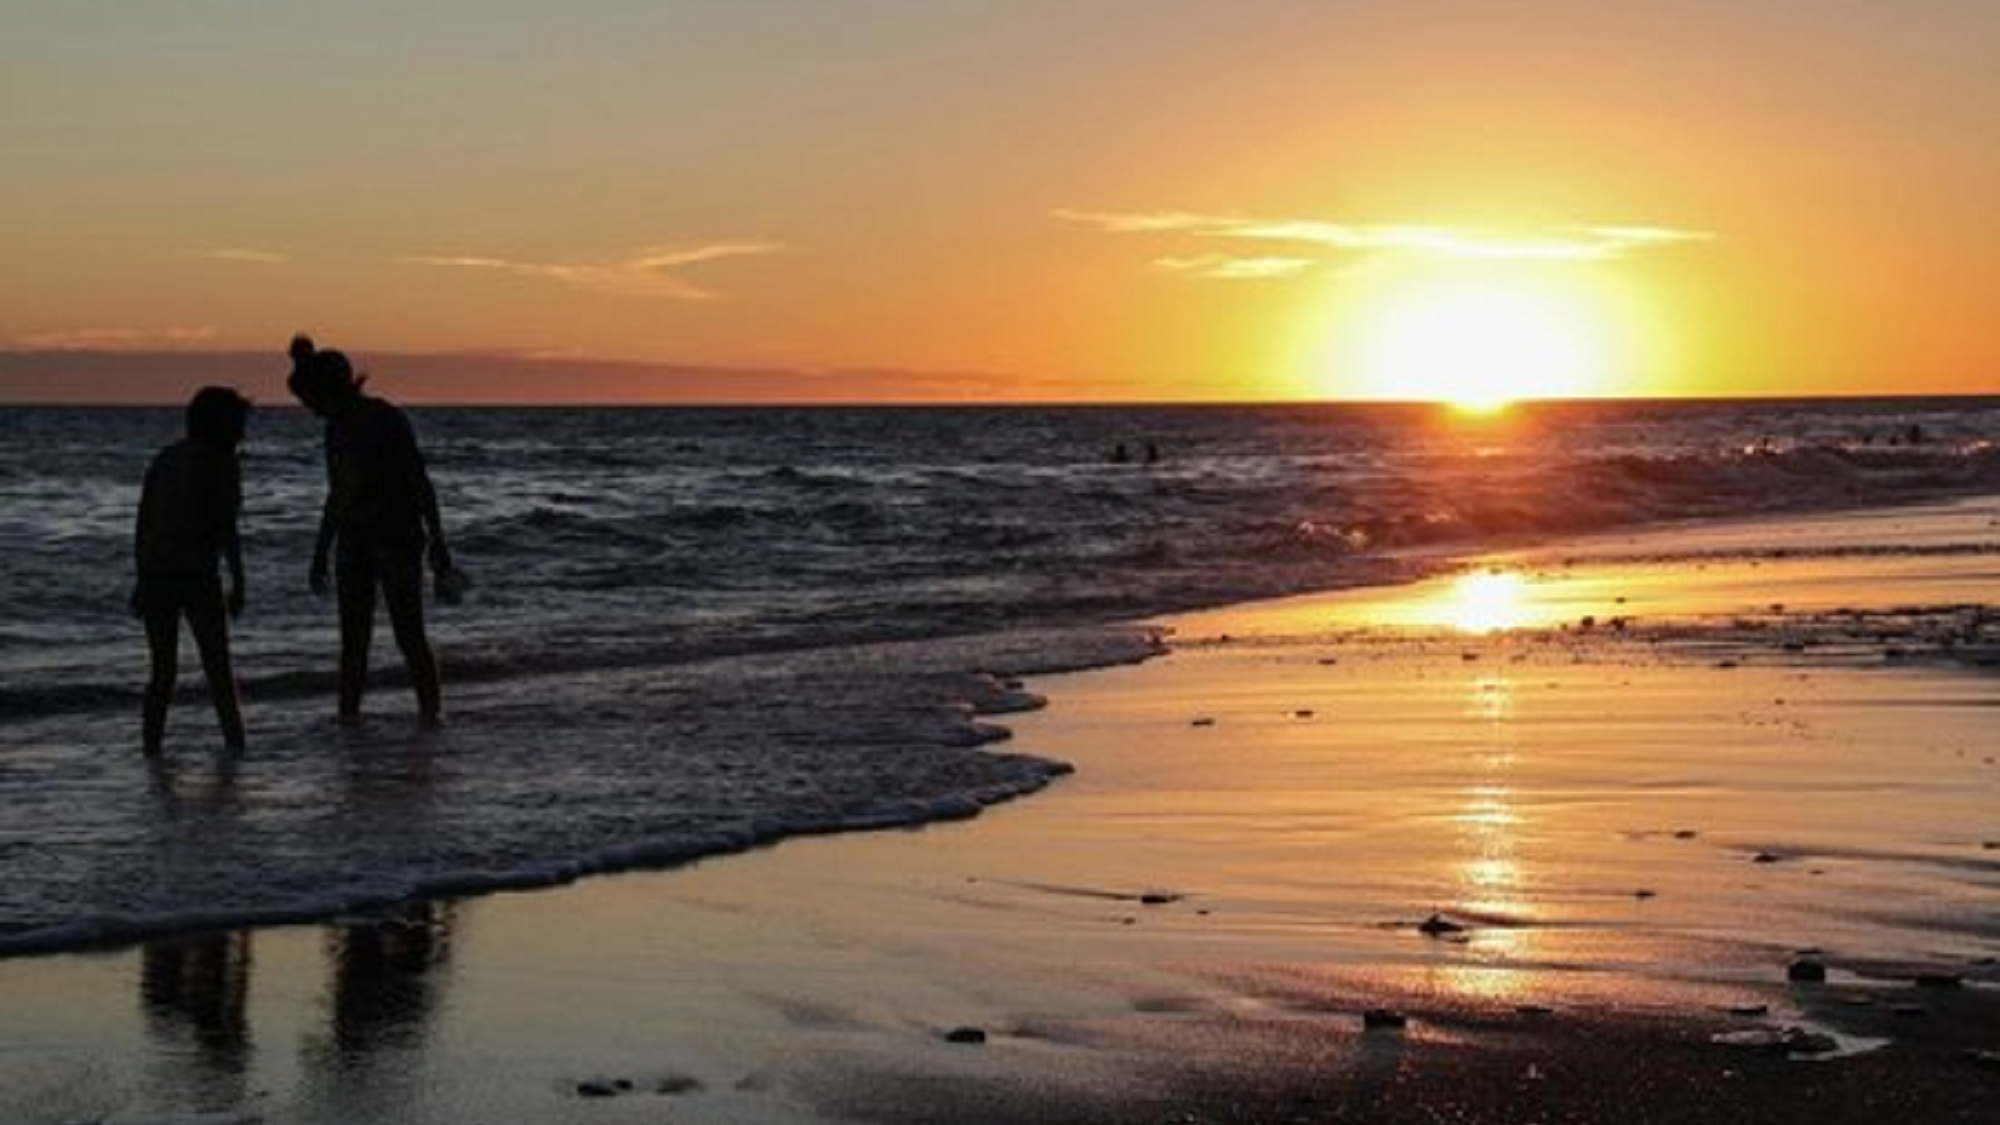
(216, 416)
(322, 379)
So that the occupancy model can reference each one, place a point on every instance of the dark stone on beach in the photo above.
(965, 1036)
(1806, 970)
(1767, 857)
(1383, 1019)
(1751, 1011)
(1685, 834)
(1534, 1010)
(676, 1084)
(1939, 980)
(1725, 664)
(1329, 661)
(1158, 898)
(1468, 657)
(596, 1089)
(1991, 845)
(1643, 894)
(1303, 713)
(1202, 722)
(1437, 925)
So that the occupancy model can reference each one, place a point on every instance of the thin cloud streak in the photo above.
(1579, 243)
(1222, 267)
(244, 254)
(653, 272)
(113, 339)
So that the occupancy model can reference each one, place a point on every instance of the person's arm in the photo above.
(141, 524)
(427, 501)
(433, 521)
(328, 521)
(232, 539)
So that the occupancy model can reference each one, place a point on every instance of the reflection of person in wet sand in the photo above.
(187, 521)
(195, 992)
(381, 512)
(384, 976)
(201, 985)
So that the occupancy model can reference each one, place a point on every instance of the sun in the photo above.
(1480, 340)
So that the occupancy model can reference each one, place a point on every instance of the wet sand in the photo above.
(1573, 865)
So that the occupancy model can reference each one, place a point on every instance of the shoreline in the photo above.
(990, 664)
(1197, 922)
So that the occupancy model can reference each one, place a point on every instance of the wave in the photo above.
(533, 784)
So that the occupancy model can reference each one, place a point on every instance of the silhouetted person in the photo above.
(187, 520)
(380, 513)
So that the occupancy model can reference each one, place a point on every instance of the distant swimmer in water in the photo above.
(188, 520)
(379, 522)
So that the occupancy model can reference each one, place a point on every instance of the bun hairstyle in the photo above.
(320, 374)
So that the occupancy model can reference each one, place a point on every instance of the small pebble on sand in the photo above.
(1383, 1019)
(1806, 970)
(966, 1036)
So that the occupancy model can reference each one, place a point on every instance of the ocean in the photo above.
(696, 630)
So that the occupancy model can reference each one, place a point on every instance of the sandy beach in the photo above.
(1581, 829)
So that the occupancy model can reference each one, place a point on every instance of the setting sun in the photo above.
(1482, 343)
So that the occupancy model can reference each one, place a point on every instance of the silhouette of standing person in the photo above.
(380, 514)
(187, 520)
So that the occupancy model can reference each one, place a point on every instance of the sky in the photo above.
(1003, 200)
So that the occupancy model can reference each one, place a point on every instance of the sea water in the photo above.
(694, 630)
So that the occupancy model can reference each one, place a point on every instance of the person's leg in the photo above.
(355, 582)
(403, 590)
(209, 622)
(163, 638)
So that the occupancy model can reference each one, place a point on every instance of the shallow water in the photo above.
(1296, 799)
(699, 628)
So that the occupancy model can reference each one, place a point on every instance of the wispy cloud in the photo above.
(1571, 243)
(653, 272)
(112, 339)
(1222, 267)
(244, 254)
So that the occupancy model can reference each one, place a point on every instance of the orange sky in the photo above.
(1013, 199)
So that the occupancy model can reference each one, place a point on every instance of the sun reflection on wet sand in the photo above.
(1489, 871)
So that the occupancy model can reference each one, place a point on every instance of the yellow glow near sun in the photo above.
(1482, 346)
(1480, 336)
